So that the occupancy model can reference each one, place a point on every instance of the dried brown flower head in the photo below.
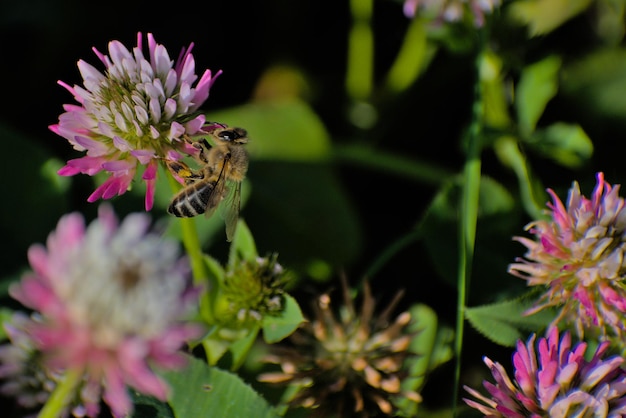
(348, 364)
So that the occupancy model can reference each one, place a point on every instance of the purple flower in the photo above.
(134, 113)
(554, 381)
(450, 10)
(578, 257)
(110, 300)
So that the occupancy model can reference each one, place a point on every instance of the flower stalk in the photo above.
(469, 214)
(62, 395)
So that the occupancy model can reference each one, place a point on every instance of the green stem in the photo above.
(360, 65)
(193, 248)
(191, 242)
(62, 394)
(469, 216)
(410, 168)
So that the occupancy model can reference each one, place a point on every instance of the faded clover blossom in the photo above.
(346, 366)
(111, 300)
(554, 380)
(450, 10)
(134, 113)
(578, 256)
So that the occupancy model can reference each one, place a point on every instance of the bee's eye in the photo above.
(229, 135)
(232, 134)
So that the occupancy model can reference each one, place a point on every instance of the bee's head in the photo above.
(235, 135)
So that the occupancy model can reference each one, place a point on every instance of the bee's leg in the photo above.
(204, 147)
(183, 171)
(210, 127)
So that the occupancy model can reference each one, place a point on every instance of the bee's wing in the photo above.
(217, 195)
(230, 208)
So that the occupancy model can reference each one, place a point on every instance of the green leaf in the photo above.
(494, 198)
(222, 339)
(442, 351)
(241, 347)
(493, 91)
(214, 346)
(505, 322)
(543, 16)
(609, 23)
(149, 407)
(429, 354)
(201, 391)
(243, 246)
(275, 328)
(532, 192)
(538, 84)
(597, 83)
(214, 269)
(414, 56)
(281, 130)
(565, 143)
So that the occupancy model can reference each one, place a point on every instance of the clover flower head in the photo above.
(351, 365)
(554, 380)
(133, 114)
(451, 10)
(23, 376)
(578, 257)
(111, 299)
(251, 290)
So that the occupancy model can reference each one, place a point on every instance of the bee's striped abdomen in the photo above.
(192, 201)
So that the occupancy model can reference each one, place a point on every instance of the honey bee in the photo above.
(223, 167)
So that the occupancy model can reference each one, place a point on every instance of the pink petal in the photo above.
(86, 165)
(410, 7)
(115, 394)
(143, 155)
(132, 356)
(176, 130)
(149, 176)
(194, 125)
(121, 144)
(111, 187)
(94, 148)
(33, 293)
(202, 88)
(106, 216)
(150, 171)
(119, 166)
